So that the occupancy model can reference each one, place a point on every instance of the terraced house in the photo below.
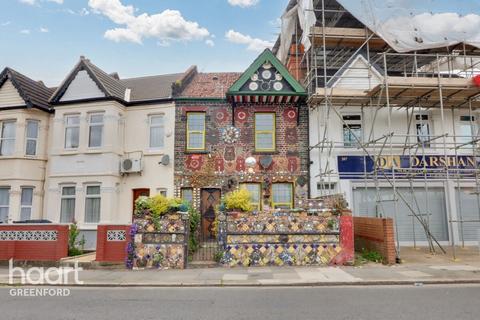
(86, 150)
(241, 130)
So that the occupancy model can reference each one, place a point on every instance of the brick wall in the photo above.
(223, 163)
(375, 234)
(294, 62)
(43, 242)
(112, 243)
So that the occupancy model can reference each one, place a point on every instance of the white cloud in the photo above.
(44, 30)
(210, 43)
(243, 3)
(84, 12)
(6, 23)
(56, 1)
(25, 31)
(166, 26)
(253, 44)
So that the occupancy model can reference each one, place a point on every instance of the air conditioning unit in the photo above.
(131, 165)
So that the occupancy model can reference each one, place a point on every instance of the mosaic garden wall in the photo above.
(230, 141)
(158, 243)
(286, 238)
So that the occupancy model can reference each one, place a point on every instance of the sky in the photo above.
(44, 39)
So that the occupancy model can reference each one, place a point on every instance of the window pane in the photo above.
(196, 122)
(32, 129)
(156, 137)
(4, 204)
(195, 141)
(73, 120)
(27, 196)
(7, 147)
(92, 210)
(67, 211)
(72, 137)
(156, 120)
(68, 191)
(264, 141)
(96, 118)
(25, 214)
(93, 190)
(8, 130)
(282, 193)
(254, 190)
(187, 195)
(95, 136)
(4, 196)
(264, 122)
(31, 148)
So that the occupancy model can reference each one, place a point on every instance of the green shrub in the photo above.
(194, 218)
(239, 200)
(75, 248)
(372, 256)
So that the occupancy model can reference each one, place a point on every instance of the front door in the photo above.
(210, 199)
(137, 193)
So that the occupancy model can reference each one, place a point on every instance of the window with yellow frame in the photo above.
(195, 131)
(265, 131)
(255, 192)
(282, 195)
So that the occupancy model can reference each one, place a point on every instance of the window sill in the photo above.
(94, 150)
(265, 152)
(154, 152)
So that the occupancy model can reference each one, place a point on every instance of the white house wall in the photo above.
(82, 87)
(19, 170)
(9, 96)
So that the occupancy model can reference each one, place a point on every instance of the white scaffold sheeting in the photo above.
(408, 25)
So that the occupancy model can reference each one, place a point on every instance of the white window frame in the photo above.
(472, 126)
(420, 120)
(93, 196)
(28, 206)
(162, 191)
(2, 139)
(8, 202)
(96, 124)
(151, 126)
(350, 125)
(27, 138)
(182, 195)
(68, 197)
(71, 126)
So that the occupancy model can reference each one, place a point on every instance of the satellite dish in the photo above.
(165, 160)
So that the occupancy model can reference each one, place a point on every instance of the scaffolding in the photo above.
(411, 84)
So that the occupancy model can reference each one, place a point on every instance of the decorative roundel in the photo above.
(230, 134)
(253, 86)
(254, 77)
(278, 86)
(267, 65)
(266, 74)
(241, 115)
(278, 77)
(265, 86)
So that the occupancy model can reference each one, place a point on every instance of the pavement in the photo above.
(267, 303)
(418, 267)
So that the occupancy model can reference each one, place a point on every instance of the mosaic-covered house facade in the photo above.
(238, 130)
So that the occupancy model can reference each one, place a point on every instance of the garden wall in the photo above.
(158, 243)
(34, 242)
(287, 238)
(375, 234)
(112, 243)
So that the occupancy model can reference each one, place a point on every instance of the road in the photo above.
(377, 302)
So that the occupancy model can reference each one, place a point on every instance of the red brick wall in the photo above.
(111, 251)
(35, 250)
(375, 234)
(294, 62)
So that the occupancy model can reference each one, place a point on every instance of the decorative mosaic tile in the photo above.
(159, 238)
(116, 235)
(27, 235)
(160, 256)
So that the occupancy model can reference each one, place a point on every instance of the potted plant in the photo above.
(238, 201)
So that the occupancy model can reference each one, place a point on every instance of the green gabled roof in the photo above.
(267, 56)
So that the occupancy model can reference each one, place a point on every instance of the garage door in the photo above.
(467, 208)
(367, 203)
